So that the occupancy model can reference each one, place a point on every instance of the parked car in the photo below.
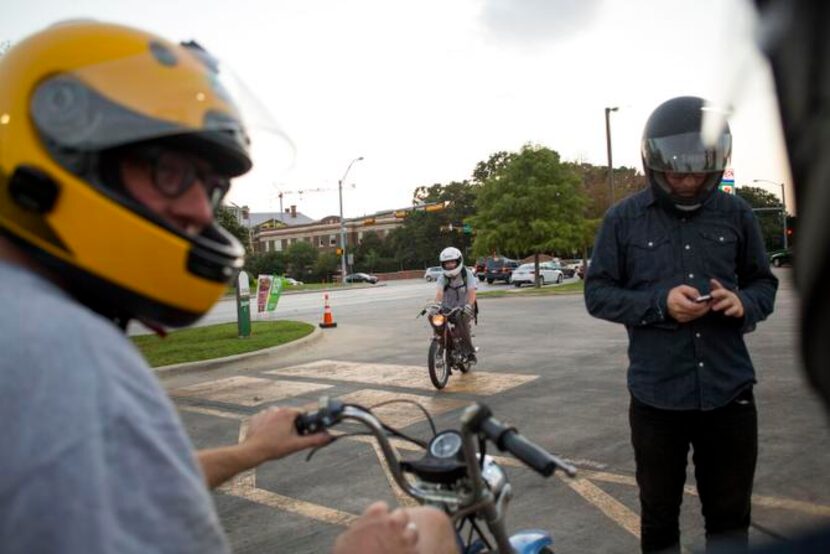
(361, 278)
(433, 273)
(566, 270)
(292, 282)
(525, 274)
(781, 257)
(499, 269)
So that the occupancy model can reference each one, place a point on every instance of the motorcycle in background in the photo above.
(445, 351)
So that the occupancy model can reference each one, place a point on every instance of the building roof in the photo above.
(285, 217)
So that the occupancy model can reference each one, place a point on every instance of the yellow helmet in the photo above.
(69, 95)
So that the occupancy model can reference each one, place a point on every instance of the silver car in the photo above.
(432, 274)
(525, 274)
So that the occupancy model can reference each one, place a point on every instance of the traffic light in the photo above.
(369, 221)
(338, 251)
(401, 214)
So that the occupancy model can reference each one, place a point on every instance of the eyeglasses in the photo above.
(173, 173)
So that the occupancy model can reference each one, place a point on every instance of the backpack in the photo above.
(464, 281)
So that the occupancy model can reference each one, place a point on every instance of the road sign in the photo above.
(727, 182)
(468, 229)
(243, 305)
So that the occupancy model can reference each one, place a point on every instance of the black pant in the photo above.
(463, 331)
(725, 445)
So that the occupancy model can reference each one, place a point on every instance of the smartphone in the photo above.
(704, 298)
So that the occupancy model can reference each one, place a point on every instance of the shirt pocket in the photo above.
(720, 253)
(649, 259)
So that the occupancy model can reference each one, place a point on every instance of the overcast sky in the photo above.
(426, 89)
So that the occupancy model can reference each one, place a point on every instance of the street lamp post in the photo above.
(783, 207)
(343, 224)
(608, 144)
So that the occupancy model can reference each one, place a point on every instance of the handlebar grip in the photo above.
(533, 455)
(507, 438)
(309, 423)
(320, 420)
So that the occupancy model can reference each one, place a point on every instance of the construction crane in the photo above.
(281, 193)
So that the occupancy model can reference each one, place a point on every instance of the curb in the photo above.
(285, 292)
(339, 289)
(189, 367)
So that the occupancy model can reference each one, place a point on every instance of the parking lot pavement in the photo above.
(545, 367)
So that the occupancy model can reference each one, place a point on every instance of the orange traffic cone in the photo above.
(328, 319)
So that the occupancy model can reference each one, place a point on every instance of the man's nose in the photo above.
(195, 207)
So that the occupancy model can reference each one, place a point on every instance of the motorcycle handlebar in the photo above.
(508, 439)
(477, 419)
(313, 422)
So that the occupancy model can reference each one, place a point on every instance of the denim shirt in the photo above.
(643, 250)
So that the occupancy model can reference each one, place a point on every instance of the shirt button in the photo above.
(650, 244)
(691, 275)
(643, 322)
(697, 335)
(721, 239)
(683, 219)
(700, 364)
(688, 247)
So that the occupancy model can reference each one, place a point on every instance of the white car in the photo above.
(292, 282)
(525, 274)
(433, 273)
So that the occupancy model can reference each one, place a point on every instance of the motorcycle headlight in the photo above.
(438, 320)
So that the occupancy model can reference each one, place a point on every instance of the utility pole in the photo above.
(608, 145)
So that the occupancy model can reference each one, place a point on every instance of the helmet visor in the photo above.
(687, 153)
(449, 264)
(166, 91)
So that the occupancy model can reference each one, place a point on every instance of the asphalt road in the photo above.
(545, 366)
(308, 305)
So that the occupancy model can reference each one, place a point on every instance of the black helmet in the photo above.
(673, 141)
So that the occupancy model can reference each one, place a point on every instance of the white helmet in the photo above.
(451, 254)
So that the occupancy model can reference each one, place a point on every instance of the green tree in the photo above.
(494, 164)
(301, 257)
(772, 226)
(532, 204)
(371, 260)
(424, 234)
(627, 181)
(266, 263)
(227, 219)
(326, 265)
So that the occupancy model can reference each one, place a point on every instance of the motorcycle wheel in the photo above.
(439, 371)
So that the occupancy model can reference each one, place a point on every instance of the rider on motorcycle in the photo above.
(457, 288)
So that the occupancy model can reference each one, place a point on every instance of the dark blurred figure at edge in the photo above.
(795, 37)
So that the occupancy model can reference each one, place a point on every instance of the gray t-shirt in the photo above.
(456, 294)
(94, 457)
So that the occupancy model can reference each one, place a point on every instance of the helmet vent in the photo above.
(33, 190)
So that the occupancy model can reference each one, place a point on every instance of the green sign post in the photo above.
(468, 229)
(243, 305)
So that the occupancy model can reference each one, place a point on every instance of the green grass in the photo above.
(217, 341)
(550, 290)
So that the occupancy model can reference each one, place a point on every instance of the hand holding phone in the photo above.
(703, 298)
